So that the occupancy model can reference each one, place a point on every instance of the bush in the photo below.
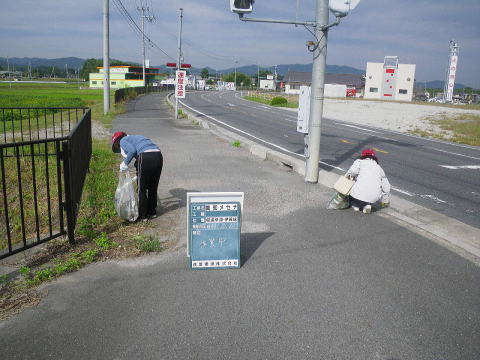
(279, 100)
(147, 243)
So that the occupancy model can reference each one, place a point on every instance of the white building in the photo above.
(389, 80)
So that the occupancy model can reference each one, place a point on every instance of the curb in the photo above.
(461, 238)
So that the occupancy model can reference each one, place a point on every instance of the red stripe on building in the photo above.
(390, 71)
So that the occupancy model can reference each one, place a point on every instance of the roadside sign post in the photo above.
(214, 227)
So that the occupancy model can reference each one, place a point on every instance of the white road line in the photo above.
(402, 191)
(241, 131)
(452, 153)
(232, 105)
(357, 127)
(453, 167)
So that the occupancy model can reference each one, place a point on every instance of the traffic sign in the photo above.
(180, 84)
(174, 65)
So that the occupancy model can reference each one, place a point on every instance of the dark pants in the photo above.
(358, 203)
(149, 168)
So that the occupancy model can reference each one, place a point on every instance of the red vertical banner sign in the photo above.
(180, 84)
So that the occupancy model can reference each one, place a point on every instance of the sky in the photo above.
(417, 31)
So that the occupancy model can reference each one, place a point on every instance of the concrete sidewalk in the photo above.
(314, 283)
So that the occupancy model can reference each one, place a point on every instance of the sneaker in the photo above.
(355, 208)
(153, 216)
(367, 209)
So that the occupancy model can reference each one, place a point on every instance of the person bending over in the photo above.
(148, 164)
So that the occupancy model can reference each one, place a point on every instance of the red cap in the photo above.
(117, 136)
(368, 152)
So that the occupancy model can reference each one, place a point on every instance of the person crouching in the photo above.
(371, 183)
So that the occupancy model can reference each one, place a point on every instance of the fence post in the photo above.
(68, 192)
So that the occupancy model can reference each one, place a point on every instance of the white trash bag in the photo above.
(126, 202)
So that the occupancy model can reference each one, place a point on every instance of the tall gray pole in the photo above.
(318, 84)
(106, 58)
(143, 46)
(179, 56)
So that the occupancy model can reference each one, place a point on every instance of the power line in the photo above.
(124, 12)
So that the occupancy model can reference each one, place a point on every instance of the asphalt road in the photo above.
(419, 169)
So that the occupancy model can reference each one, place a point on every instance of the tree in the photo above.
(241, 78)
(264, 73)
(90, 66)
(204, 73)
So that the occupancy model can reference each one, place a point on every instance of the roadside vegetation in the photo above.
(459, 128)
(100, 233)
(279, 101)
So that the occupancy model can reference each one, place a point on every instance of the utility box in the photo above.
(303, 119)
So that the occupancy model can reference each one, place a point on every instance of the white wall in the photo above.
(267, 84)
(373, 79)
(289, 90)
(404, 81)
(335, 91)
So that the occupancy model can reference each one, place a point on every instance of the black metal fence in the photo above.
(130, 93)
(44, 158)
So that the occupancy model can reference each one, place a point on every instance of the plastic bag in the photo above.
(126, 202)
(339, 202)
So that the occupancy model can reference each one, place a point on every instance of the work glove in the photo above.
(123, 167)
(384, 204)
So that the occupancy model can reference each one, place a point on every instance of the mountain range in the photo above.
(74, 62)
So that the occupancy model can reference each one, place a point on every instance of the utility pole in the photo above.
(149, 18)
(235, 64)
(9, 74)
(318, 85)
(106, 58)
(179, 57)
(258, 77)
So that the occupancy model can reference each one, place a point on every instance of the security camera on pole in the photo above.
(339, 8)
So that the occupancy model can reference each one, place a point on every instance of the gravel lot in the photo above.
(388, 115)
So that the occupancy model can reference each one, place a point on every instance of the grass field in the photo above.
(24, 125)
(46, 95)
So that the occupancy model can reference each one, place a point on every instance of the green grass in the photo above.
(49, 95)
(74, 262)
(236, 144)
(289, 104)
(459, 128)
(147, 243)
(97, 208)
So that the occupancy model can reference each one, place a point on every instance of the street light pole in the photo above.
(106, 58)
(318, 85)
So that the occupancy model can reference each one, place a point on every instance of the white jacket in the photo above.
(371, 183)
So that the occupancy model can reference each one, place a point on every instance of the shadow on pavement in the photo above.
(177, 200)
(250, 242)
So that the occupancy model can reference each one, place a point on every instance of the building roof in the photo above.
(341, 79)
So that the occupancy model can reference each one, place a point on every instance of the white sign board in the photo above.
(303, 110)
(208, 197)
(180, 84)
(451, 77)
